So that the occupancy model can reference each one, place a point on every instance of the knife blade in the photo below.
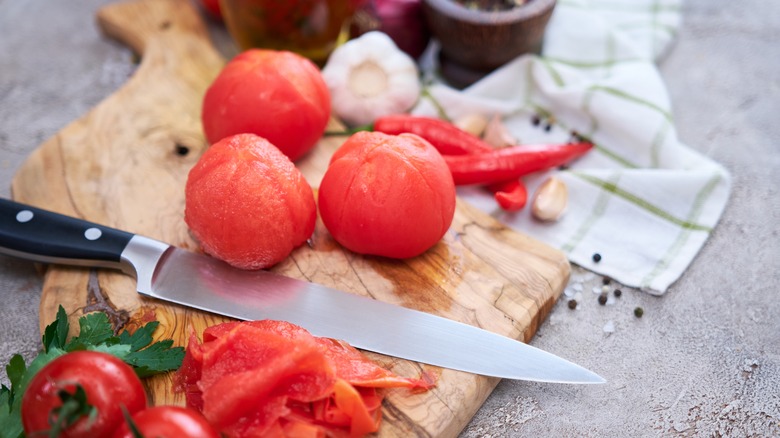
(199, 281)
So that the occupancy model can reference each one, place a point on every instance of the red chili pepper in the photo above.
(511, 162)
(447, 138)
(510, 195)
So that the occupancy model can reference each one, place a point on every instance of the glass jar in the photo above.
(312, 28)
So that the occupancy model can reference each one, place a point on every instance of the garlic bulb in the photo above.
(369, 77)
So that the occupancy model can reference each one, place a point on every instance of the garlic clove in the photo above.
(472, 123)
(550, 200)
(496, 133)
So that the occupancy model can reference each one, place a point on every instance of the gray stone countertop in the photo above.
(703, 361)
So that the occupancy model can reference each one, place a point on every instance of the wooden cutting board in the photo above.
(125, 163)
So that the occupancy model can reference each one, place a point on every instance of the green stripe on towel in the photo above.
(630, 197)
(682, 238)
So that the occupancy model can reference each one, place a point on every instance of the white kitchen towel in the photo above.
(641, 199)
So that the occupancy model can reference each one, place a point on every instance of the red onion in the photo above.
(213, 8)
(401, 20)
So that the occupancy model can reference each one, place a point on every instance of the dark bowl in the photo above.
(475, 42)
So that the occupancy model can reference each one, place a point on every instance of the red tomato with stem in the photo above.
(387, 195)
(168, 422)
(278, 95)
(109, 385)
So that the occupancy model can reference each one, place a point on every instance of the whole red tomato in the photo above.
(387, 195)
(247, 204)
(278, 95)
(169, 422)
(109, 385)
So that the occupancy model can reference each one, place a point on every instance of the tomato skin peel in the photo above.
(387, 195)
(268, 378)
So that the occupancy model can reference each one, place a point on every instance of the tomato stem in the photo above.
(349, 131)
(131, 424)
(74, 407)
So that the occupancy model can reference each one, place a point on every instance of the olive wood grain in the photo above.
(125, 163)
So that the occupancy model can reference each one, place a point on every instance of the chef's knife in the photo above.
(168, 273)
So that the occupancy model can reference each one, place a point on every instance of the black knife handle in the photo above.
(45, 236)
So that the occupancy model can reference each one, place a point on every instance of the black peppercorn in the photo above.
(638, 312)
(618, 292)
(606, 280)
(597, 257)
(602, 299)
(572, 304)
(536, 120)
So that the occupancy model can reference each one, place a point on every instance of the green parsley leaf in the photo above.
(156, 358)
(15, 371)
(39, 362)
(10, 424)
(3, 391)
(136, 349)
(140, 338)
(56, 333)
(94, 329)
(119, 350)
